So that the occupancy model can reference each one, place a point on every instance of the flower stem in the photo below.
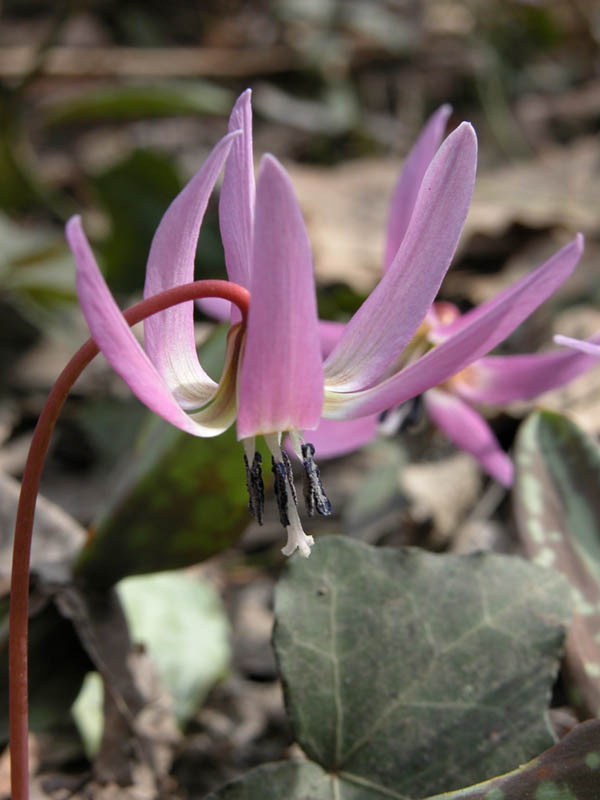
(19, 593)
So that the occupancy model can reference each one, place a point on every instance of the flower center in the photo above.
(408, 415)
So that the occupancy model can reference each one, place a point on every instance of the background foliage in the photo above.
(106, 108)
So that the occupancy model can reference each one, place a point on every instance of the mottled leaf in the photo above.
(568, 771)
(557, 504)
(410, 672)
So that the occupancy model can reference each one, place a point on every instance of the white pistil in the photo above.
(297, 539)
(296, 536)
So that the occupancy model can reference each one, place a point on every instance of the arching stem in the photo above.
(19, 588)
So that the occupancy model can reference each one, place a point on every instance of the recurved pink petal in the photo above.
(462, 342)
(118, 344)
(337, 437)
(407, 187)
(497, 380)
(236, 205)
(169, 335)
(470, 432)
(589, 347)
(281, 381)
(387, 320)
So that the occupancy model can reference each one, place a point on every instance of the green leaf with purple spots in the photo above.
(557, 506)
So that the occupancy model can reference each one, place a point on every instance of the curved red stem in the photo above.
(19, 594)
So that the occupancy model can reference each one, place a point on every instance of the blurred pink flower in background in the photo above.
(491, 380)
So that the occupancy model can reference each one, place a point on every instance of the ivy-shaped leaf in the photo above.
(417, 672)
(408, 673)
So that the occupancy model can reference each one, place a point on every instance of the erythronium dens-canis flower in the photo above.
(274, 379)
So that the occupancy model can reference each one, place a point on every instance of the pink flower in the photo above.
(445, 336)
(275, 380)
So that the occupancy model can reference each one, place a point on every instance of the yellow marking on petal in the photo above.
(469, 376)
(221, 409)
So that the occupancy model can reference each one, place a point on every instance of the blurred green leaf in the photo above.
(180, 620)
(175, 98)
(184, 500)
(374, 507)
(43, 289)
(111, 426)
(17, 192)
(20, 241)
(334, 114)
(88, 713)
(394, 32)
(557, 505)
(390, 656)
(37, 274)
(338, 300)
(135, 194)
